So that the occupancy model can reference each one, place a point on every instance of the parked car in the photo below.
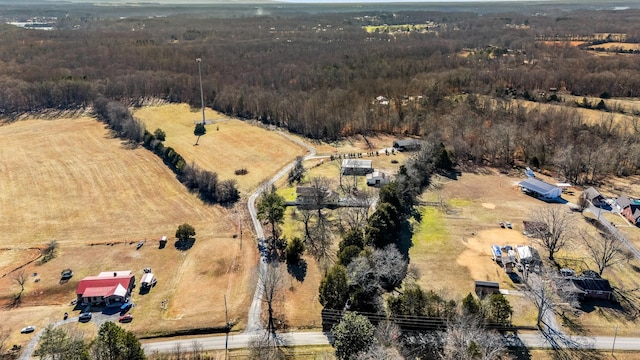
(66, 274)
(126, 306)
(509, 225)
(28, 329)
(125, 318)
(501, 224)
(84, 317)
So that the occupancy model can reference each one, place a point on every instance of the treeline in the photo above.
(371, 301)
(323, 76)
(374, 261)
(204, 182)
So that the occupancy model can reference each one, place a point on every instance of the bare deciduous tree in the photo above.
(465, 338)
(556, 229)
(19, 278)
(271, 282)
(267, 346)
(604, 251)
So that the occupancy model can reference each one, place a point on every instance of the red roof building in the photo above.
(107, 287)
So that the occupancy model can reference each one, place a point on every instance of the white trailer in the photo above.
(147, 280)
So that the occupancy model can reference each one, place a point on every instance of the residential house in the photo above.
(309, 197)
(107, 288)
(586, 287)
(629, 208)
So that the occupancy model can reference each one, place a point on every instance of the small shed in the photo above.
(378, 178)
(406, 144)
(356, 167)
(163, 242)
(484, 288)
(540, 189)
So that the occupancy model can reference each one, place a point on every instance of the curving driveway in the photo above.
(253, 320)
(96, 317)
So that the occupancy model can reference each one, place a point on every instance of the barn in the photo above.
(540, 189)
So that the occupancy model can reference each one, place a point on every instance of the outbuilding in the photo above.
(540, 189)
(594, 197)
(484, 288)
(378, 178)
(356, 167)
(406, 144)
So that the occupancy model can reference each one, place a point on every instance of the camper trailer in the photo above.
(496, 253)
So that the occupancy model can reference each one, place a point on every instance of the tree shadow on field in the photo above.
(299, 270)
(184, 245)
(404, 241)
(517, 349)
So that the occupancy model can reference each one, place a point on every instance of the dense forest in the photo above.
(330, 75)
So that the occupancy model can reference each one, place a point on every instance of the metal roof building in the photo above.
(540, 188)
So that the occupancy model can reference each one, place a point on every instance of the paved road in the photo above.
(239, 341)
(253, 321)
(612, 229)
(319, 338)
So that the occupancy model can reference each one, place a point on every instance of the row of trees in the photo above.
(204, 182)
(462, 335)
(112, 343)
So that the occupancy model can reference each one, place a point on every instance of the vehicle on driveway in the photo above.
(85, 317)
(28, 329)
(125, 318)
(501, 224)
(125, 307)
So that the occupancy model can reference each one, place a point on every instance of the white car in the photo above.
(28, 329)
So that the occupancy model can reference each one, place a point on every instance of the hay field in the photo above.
(69, 180)
(623, 121)
(618, 45)
(228, 145)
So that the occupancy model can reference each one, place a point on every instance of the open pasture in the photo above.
(68, 180)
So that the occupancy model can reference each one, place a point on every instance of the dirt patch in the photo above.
(478, 259)
(488, 206)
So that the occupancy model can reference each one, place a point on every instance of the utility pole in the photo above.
(199, 60)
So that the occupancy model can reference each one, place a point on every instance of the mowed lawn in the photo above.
(228, 145)
(68, 180)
